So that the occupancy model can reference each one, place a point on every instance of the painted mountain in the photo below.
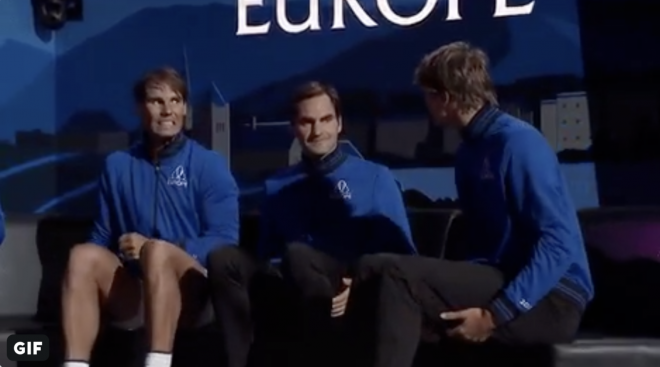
(19, 65)
(98, 74)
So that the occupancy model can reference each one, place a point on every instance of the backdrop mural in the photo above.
(65, 96)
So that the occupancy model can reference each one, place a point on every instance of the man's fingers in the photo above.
(341, 299)
(337, 313)
(126, 246)
(339, 304)
(338, 309)
(343, 295)
(458, 315)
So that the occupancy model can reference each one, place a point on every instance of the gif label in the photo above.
(24, 348)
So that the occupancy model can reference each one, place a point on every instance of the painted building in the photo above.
(565, 121)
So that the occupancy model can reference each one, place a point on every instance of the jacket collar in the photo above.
(324, 165)
(480, 123)
(169, 150)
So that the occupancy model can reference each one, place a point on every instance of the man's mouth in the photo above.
(166, 123)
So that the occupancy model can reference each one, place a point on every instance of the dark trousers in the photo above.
(413, 291)
(313, 279)
(249, 304)
(272, 316)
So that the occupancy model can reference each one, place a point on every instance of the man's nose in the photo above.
(316, 128)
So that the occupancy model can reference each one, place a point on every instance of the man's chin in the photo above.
(165, 134)
(319, 152)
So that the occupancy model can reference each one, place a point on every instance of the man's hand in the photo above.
(341, 300)
(476, 324)
(130, 245)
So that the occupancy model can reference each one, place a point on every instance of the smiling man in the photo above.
(165, 205)
(319, 218)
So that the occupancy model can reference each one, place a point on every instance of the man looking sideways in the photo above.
(526, 279)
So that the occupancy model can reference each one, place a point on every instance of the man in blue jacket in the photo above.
(525, 278)
(165, 205)
(320, 216)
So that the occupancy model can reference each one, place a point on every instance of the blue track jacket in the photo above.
(187, 197)
(342, 205)
(520, 213)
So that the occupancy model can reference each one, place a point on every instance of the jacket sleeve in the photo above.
(219, 213)
(102, 231)
(540, 203)
(391, 228)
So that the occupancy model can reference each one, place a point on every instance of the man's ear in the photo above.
(340, 121)
(445, 97)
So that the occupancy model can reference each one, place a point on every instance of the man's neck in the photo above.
(317, 157)
(463, 118)
(155, 145)
(323, 163)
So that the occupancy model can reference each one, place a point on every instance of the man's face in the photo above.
(163, 111)
(438, 106)
(317, 125)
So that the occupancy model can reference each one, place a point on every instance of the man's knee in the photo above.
(156, 255)
(86, 261)
(230, 263)
(376, 265)
(297, 255)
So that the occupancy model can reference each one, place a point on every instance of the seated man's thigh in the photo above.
(120, 291)
(453, 284)
(191, 275)
(313, 271)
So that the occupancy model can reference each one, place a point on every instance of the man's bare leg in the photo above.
(95, 279)
(175, 289)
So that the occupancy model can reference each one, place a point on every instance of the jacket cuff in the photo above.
(502, 310)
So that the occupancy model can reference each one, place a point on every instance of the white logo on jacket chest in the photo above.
(342, 191)
(178, 177)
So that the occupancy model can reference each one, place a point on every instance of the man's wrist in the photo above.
(489, 317)
(501, 310)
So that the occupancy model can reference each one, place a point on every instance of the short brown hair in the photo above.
(314, 89)
(162, 76)
(460, 70)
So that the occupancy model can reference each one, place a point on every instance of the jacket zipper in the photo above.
(154, 217)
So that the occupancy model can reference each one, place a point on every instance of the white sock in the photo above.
(155, 359)
(75, 364)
